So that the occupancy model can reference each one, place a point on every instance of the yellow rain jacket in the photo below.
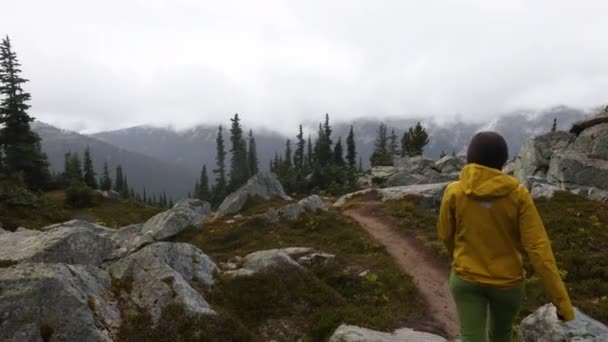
(487, 221)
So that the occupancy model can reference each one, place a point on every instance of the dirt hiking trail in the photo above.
(413, 258)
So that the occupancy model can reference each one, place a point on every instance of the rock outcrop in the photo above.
(64, 282)
(430, 194)
(293, 211)
(58, 302)
(70, 245)
(164, 273)
(350, 333)
(412, 171)
(576, 161)
(543, 325)
(262, 185)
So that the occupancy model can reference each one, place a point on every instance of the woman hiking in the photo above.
(487, 222)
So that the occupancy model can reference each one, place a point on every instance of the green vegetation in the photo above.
(312, 302)
(413, 141)
(50, 208)
(176, 325)
(578, 229)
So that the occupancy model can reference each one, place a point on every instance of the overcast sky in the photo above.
(97, 65)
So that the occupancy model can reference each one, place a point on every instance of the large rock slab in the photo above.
(351, 333)
(431, 194)
(164, 273)
(186, 213)
(581, 126)
(263, 185)
(533, 159)
(63, 302)
(70, 245)
(376, 175)
(544, 326)
(449, 164)
(569, 167)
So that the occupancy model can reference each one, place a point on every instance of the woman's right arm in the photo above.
(536, 243)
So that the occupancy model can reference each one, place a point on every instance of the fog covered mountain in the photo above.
(141, 170)
(168, 159)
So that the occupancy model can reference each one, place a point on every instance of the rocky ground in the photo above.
(267, 267)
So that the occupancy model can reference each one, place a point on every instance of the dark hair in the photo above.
(488, 149)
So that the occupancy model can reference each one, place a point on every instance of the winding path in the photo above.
(413, 259)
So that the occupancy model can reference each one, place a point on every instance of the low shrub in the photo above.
(79, 195)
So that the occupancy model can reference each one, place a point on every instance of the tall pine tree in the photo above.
(414, 140)
(393, 148)
(106, 181)
(19, 145)
(298, 158)
(238, 162)
(351, 149)
(89, 172)
(119, 180)
(339, 153)
(382, 154)
(203, 186)
(252, 155)
(220, 187)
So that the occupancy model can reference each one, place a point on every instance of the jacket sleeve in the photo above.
(536, 243)
(446, 225)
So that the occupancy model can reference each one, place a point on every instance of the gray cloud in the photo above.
(109, 64)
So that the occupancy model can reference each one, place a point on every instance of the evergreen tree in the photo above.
(298, 158)
(339, 153)
(394, 149)
(203, 188)
(252, 155)
(125, 187)
(309, 154)
(171, 203)
(89, 172)
(351, 149)
(19, 145)
(197, 188)
(106, 181)
(238, 162)
(324, 150)
(219, 189)
(360, 164)
(414, 141)
(443, 154)
(118, 180)
(287, 166)
(73, 169)
(554, 127)
(145, 196)
(382, 154)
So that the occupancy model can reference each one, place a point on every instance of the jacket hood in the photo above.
(484, 182)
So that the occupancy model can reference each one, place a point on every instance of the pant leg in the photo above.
(504, 306)
(472, 307)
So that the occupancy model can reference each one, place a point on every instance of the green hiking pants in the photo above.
(474, 303)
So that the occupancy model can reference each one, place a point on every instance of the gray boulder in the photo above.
(269, 260)
(351, 333)
(570, 167)
(164, 273)
(449, 164)
(63, 302)
(312, 203)
(129, 239)
(70, 245)
(544, 326)
(417, 164)
(262, 185)
(376, 175)
(186, 213)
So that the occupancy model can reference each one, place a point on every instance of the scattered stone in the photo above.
(111, 194)
(351, 333)
(263, 185)
(68, 245)
(64, 302)
(163, 273)
(312, 203)
(543, 325)
(269, 260)
(186, 213)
